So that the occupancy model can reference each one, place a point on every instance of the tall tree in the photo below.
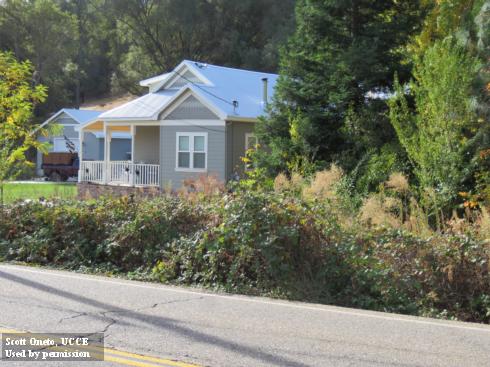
(438, 134)
(41, 32)
(155, 35)
(18, 97)
(445, 131)
(335, 70)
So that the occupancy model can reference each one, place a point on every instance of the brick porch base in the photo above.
(93, 191)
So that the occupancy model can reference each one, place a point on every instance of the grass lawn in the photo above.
(21, 191)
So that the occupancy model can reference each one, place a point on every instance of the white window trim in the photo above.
(248, 166)
(191, 152)
(73, 140)
(247, 136)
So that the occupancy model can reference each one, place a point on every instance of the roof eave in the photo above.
(241, 118)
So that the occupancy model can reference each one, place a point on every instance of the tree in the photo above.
(442, 76)
(18, 96)
(437, 135)
(334, 72)
(42, 32)
(155, 35)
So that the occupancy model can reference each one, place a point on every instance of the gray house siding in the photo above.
(236, 132)
(191, 109)
(119, 149)
(147, 144)
(91, 148)
(216, 162)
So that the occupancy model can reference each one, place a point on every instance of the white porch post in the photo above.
(107, 153)
(81, 135)
(133, 139)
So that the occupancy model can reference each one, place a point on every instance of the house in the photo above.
(198, 119)
(70, 121)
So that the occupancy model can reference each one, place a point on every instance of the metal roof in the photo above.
(142, 108)
(80, 116)
(221, 86)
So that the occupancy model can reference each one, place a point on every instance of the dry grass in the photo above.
(207, 185)
(398, 182)
(417, 222)
(323, 185)
(378, 211)
(108, 103)
(483, 223)
(281, 183)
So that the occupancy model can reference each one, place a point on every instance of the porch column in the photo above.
(107, 153)
(132, 170)
(81, 135)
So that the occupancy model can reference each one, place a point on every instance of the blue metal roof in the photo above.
(81, 116)
(229, 84)
(220, 87)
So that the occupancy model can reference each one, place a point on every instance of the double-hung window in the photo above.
(192, 151)
(250, 143)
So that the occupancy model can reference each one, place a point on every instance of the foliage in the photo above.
(81, 53)
(17, 99)
(334, 69)
(438, 135)
(226, 32)
(41, 32)
(264, 243)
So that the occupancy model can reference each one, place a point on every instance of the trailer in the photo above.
(59, 166)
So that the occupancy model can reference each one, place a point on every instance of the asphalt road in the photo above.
(154, 325)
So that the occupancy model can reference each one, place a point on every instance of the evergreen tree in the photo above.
(334, 73)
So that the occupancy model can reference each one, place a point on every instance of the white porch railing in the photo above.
(91, 171)
(120, 173)
(146, 174)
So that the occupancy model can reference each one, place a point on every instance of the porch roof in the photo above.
(142, 108)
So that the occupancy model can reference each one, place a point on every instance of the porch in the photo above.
(120, 173)
(142, 169)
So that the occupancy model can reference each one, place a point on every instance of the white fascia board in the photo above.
(50, 119)
(241, 119)
(81, 126)
(194, 69)
(156, 79)
(127, 119)
(182, 93)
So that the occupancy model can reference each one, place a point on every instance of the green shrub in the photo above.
(261, 243)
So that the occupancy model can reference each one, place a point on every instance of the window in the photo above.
(192, 151)
(250, 141)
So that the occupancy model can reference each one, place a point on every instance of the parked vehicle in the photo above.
(58, 166)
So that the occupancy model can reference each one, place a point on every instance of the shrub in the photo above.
(264, 243)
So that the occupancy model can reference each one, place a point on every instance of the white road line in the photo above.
(322, 308)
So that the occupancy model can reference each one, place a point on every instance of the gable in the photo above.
(191, 109)
(186, 78)
(65, 119)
